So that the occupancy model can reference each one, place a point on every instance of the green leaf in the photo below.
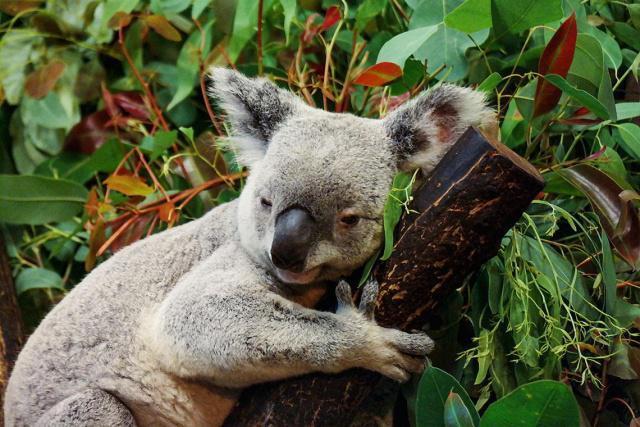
(470, 16)
(398, 197)
(446, 46)
(510, 16)
(456, 413)
(610, 48)
(490, 83)
(368, 10)
(588, 62)
(433, 391)
(245, 25)
(366, 270)
(48, 112)
(627, 110)
(625, 313)
(169, 6)
(289, 7)
(484, 356)
(15, 51)
(198, 7)
(585, 99)
(113, 6)
(26, 199)
(157, 144)
(402, 46)
(537, 404)
(620, 365)
(105, 159)
(562, 273)
(634, 12)
(630, 139)
(188, 70)
(38, 278)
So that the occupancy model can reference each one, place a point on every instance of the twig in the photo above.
(203, 83)
(143, 83)
(259, 37)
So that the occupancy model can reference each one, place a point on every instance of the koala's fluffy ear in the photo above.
(255, 107)
(422, 130)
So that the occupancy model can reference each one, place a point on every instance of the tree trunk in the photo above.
(472, 198)
(11, 329)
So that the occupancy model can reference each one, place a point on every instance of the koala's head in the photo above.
(312, 207)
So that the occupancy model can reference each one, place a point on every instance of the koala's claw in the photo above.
(368, 299)
(391, 352)
(401, 354)
(343, 295)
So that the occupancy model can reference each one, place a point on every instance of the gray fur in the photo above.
(169, 329)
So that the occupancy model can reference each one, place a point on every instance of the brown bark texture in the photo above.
(11, 329)
(459, 217)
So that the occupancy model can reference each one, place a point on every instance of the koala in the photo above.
(170, 329)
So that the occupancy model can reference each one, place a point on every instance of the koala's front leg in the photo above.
(247, 334)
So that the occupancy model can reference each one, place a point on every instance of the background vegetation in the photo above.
(106, 136)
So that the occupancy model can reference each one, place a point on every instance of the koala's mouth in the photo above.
(301, 278)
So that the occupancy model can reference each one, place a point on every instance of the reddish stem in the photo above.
(259, 36)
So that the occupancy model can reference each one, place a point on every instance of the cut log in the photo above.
(462, 211)
(11, 329)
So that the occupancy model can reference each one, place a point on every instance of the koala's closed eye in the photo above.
(349, 218)
(266, 203)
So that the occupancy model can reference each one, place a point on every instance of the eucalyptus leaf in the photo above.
(470, 16)
(397, 199)
(433, 391)
(187, 70)
(446, 47)
(510, 16)
(402, 46)
(28, 199)
(38, 278)
(579, 95)
(540, 404)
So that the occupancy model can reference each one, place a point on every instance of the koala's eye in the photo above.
(349, 220)
(265, 202)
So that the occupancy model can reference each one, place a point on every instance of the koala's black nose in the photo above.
(292, 239)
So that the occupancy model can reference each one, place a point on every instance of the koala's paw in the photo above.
(398, 354)
(393, 353)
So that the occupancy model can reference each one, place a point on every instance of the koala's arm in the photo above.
(242, 334)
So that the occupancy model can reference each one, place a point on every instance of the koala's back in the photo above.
(90, 338)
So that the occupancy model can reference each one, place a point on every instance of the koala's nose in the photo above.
(292, 239)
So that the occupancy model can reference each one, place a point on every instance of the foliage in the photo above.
(442, 401)
(106, 136)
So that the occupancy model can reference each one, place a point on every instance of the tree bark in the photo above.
(11, 329)
(462, 211)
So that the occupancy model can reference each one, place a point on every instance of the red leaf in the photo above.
(130, 185)
(162, 26)
(92, 131)
(132, 103)
(41, 81)
(379, 74)
(310, 30)
(167, 212)
(109, 103)
(119, 20)
(578, 118)
(330, 18)
(555, 59)
(14, 7)
(396, 101)
(619, 217)
(130, 232)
